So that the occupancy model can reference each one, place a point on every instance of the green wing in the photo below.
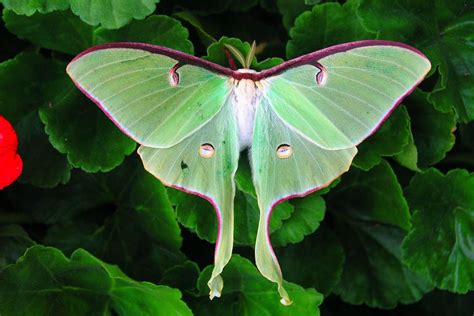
(342, 104)
(181, 166)
(308, 168)
(173, 110)
(132, 86)
(310, 119)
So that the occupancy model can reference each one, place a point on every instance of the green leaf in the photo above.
(20, 77)
(373, 271)
(432, 133)
(53, 168)
(156, 29)
(389, 140)
(327, 24)
(129, 238)
(29, 7)
(440, 244)
(78, 128)
(374, 195)
(183, 276)
(112, 14)
(320, 257)
(195, 213)
(290, 10)
(366, 208)
(309, 212)
(215, 53)
(140, 233)
(60, 30)
(247, 292)
(26, 75)
(187, 16)
(44, 281)
(443, 31)
(130, 187)
(14, 240)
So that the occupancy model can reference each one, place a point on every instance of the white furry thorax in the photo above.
(246, 96)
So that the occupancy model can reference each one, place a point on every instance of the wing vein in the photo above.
(297, 113)
(177, 108)
(334, 103)
(190, 117)
(365, 85)
(131, 86)
(374, 74)
(119, 76)
(124, 106)
(113, 63)
(386, 61)
(178, 157)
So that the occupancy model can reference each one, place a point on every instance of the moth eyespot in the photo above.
(173, 79)
(173, 76)
(206, 151)
(284, 151)
(322, 75)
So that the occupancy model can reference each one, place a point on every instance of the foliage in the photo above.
(87, 231)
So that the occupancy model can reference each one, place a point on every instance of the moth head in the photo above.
(246, 61)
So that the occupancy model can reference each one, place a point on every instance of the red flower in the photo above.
(10, 162)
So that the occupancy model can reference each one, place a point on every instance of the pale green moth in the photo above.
(301, 120)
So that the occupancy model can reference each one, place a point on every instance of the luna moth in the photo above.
(301, 120)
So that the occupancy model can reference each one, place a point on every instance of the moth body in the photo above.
(246, 96)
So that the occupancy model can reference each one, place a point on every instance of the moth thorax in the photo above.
(246, 71)
(246, 98)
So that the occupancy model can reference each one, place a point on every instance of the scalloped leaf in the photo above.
(59, 30)
(367, 207)
(14, 241)
(44, 281)
(28, 74)
(28, 7)
(78, 128)
(156, 29)
(305, 219)
(441, 244)
(290, 10)
(389, 140)
(432, 133)
(247, 292)
(327, 24)
(320, 259)
(112, 14)
(443, 31)
(122, 216)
